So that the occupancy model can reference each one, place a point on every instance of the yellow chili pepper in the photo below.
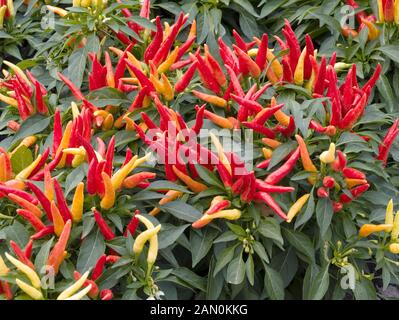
(8, 100)
(76, 3)
(3, 267)
(122, 173)
(280, 116)
(350, 183)
(329, 155)
(61, 12)
(231, 214)
(389, 213)
(395, 228)
(129, 123)
(222, 157)
(29, 272)
(193, 185)
(267, 153)
(135, 62)
(368, 229)
(85, 3)
(15, 68)
(275, 64)
(164, 66)
(166, 30)
(153, 247)
(108, 199)
(24, 174)
(381, 16)
(29, 290)
(3, 10)
(68, 292)
(77, 203)
(306, 161)
(396, 12)
(299, 70)
(143, 237)
(193, 29)
(394, 248)
(108, 122)
(157, 83)
(167, 89)
(373, 31)
(253, 52)
(64, 144)
(58, 221)
(79, 295)
(296, 207)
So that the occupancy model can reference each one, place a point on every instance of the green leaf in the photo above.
(17, 233)
(250, 270)
(324, 214)
(166, 185)
(169, 234)
(270, 228)
(91, 249)
(201, 243)
(42, 255)
(236, 270)
(191, 278)
(21, 159)
(32, 125)
(365, 290)
(223, 258)
(391, 51)
(72, 180)
(274, 284)
(280, 153)
(300, 242)
(182, 210)
(319, 285)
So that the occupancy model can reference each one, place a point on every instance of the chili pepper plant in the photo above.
(141, 158)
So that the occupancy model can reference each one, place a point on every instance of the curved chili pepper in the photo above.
(103, 226)
(267, 198)
(285, 169)
(356, 192)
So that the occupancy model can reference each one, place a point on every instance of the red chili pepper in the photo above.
(333, 59)
(328, 182)
(91, 177)
(147, 120)
(218, 207)
(336, 113)
(28, 249)
(267, 198)
(287, 72)
(5, 189)
(266, 113)
(42, 233)
(98, 73)
(138, 100)
(261, 59)
(383, 150)
(322, 193)
(337, 206)
(112, 259)
(93, 293)
(132, 225)
(36, 223)
(103, 226)
(239, 41)
(206, 74)
(249, 104)
(184, 81)
(22, 107)
(109, 157)
(285, 169)
(184, 47)
(40, 105)
(247, 65)
(41, 163)
(180, 64)
(286, 131)
(164, 48)
(235, 82)
(106, 294)
(144, 81)
(50, 166)
(227, 56)
(309, 52)
(354, 114)
(57, 132)
(263, 186)
(321, 77)
(20, 254)
(98, 268)
(292, 43)
(356, 192)
(260, 129)
(45, 203)
(61, 202)
(260, 92)
(373, 80)
(351, 173)
(75, 91)
(121, 65)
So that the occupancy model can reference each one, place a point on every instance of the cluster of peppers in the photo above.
(23, 91)
(364, 21)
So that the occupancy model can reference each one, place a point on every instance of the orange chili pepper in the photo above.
(193, 185)
(77, 203)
